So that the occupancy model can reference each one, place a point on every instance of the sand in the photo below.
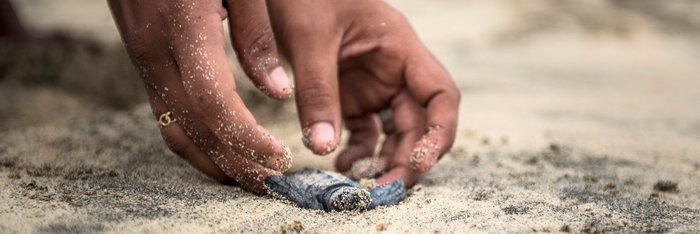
(575, 117)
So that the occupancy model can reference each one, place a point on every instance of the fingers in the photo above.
(256, 48)
(179, 51)
(315, 63)
(219, 161)
(364, 134)
(406, 126)
(433, 88)
(177, 140)
(208, 82)
(195, 142)
(250, 174)
(431, 146)
(216, 160)
(180, 144)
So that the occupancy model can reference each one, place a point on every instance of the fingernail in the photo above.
(323, 137)
(280, 80)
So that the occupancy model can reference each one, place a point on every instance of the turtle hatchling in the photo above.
(315, 189)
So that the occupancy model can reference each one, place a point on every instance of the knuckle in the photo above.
(210, 137)
(260, 54)
(206, 140)
(262, 44)
(315, 94)
(205, 102)
(391, 47)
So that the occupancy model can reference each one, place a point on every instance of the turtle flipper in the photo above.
(389, 194)
(289, 188)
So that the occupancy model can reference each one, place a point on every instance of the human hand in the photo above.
(353, 59)
(178, 49)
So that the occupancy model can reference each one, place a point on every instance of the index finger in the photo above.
(198, 49)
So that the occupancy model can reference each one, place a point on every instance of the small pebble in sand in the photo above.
(655, 197)
(292, 227)
(485, 141)
(565, 228)
(14, 176)
(555, 148)
(7, 162)
(475, 159)
(458, 151)
(382, 227)
(666, 186)
(504, 140)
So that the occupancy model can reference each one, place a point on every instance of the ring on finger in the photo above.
(166, 119)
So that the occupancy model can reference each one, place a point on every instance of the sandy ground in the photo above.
(577, 116)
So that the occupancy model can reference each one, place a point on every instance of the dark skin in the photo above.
(352, 59)
(178, 48)
(362, 57)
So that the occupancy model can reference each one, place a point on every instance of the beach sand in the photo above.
(575, 117)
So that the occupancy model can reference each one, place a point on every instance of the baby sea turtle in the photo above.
(329, 191)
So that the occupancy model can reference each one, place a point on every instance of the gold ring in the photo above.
(165, 119)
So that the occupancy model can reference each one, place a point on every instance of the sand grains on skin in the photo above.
(597, 99)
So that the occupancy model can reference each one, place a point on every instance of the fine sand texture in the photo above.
(576, 116)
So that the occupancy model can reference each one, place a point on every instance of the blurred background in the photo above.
(577, 116)
(618, 75)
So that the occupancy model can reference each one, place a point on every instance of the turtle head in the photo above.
(345, 197)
